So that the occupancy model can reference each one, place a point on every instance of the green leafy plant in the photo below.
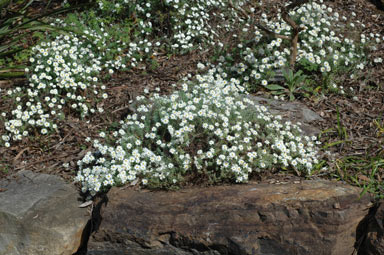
(294, 82)
(4, 167)
(380, 127)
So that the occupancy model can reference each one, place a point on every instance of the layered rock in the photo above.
(311, 217)
(39, 215)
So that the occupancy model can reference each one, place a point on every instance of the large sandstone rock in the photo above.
(39, 215)
(311, 217)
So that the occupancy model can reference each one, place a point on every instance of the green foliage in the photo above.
(111, 40)
(5, 167)
(380, 127)
(294, 81)
(293, 84)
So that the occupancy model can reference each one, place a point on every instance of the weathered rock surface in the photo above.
(371, 240)
(311, 217)
(39, 215)
(291, 111)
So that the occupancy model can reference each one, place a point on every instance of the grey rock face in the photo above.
(312, 217)
(291, 111)
(39, 215)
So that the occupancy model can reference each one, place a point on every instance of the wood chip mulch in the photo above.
(357, 111)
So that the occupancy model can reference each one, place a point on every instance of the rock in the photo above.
(311, 217)
(291, 111)
(39, 215)
(371, 236)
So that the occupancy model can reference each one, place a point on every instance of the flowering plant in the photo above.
(208, 129)
(325, 47)
(62, 77)
(182, 25)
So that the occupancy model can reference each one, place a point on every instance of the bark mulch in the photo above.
(357, 111)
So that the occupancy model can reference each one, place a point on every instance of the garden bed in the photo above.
(353, 130)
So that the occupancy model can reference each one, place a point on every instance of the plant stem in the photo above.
(14, 74)
(296, 30)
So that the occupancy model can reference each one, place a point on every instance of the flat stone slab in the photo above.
(291, 111)
(39, 215)
(312, 217)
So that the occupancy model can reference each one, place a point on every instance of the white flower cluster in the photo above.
(188, 22)
(209, 127)
(322, 46)
(112, 53)
(62, 72)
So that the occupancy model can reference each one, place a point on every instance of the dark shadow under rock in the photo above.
(370, 236)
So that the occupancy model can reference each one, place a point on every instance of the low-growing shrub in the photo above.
(208, 129)
(62, 78)
(112, 41)
(179, 25)
(18, 27)
(64, 72)
(329, 45)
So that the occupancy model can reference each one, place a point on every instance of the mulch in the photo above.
(357, 112)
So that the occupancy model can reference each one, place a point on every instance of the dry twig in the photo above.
(295, 27)
(294, 38)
